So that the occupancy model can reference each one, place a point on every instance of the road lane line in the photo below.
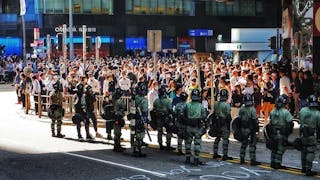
(117, 164)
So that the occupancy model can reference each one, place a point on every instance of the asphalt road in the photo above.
(27, 151)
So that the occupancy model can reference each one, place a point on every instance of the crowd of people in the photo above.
(157, 93)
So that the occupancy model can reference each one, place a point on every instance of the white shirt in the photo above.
(152, 96)
(94, 84)
(35, 87)
(105, 86)
(124, 84)
(284, 82)
(233, 82)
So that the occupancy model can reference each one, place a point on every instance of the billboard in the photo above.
(200, 32)
(316, 16)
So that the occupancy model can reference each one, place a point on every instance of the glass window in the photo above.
(66, 6)
(59, 6)
(188, 7)
(107, 7)
(128, 6)
(145, 4)
(49, 4)
(154, 7)
(161, 6)
(235, 8)
(77, 6)
(87, 6)
(136, 6)
(96, 6)
(178, 7)
(170, 7)
(40, 4)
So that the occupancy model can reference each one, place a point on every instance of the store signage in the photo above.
(200, 32)
(75, 29)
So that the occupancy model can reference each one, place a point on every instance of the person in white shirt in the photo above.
(152, 94)
(234, 79)
(93, 83)
(284, 84)
(125, 83)
(36, 90)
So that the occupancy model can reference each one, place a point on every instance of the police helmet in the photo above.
(80, 88)
(195, 95)
(117, 93)
(184, 96)
(142, 89)
(223, 95)
(88, 88)
(162, 92)
(56, 86)
(281, 101)
(312, 101)
(248, 100)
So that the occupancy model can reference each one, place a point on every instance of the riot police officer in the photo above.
(309, 120)
(163, 108)
(194, 114)
(119, 112)
(249, 128)
(141, 107)
(56, 111)
(81, 112)
(180, 120)
(222, 112)
(281, 126)
(90, 100)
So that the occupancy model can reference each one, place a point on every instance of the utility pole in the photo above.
(71, 31)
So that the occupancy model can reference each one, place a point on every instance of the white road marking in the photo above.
(117, 164)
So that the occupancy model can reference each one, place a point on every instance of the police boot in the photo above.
(242, 161)
(224, 158)
(161, 147)
(169, 148)
(309, 172)
(80, 138)
(109, 137)
(59, 135)
(180, 152)
(144, 144)
(187, 160)
(53, 134)
(197, 162)
(303, 170)
(255, 163)
(215, 156)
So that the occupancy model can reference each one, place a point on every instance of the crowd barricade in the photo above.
(43, 102)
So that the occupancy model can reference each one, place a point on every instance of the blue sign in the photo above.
(200, 32)
(136, 43)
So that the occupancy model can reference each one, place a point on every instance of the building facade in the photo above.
(123, 24)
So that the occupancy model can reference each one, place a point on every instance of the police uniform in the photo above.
(195, 113)
(180, 120)
(249, 128)
(222, 112)
(281, 127)
(309, 120)
(90, 100)
(163, 108)
(56, 111)
(119, 109)
(81, 112)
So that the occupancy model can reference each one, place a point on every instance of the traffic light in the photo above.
(88, 44)
(273, 42)
(59, 41)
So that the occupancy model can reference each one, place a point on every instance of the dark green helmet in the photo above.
(141, 89)
(248, 100)
(162, 92)
(184, 96)
(195, 95)
(80, 88)
(281, 101)
(223, 95)
(56, 86)
(117, 93)
(312, 101)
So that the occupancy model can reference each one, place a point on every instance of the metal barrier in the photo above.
(68, 104)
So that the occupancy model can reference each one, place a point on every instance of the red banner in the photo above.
(316, 19)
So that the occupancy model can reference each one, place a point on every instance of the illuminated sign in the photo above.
(200, 32)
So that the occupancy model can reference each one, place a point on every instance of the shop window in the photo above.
(58, 6)
(129, 6)
(107, 7)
